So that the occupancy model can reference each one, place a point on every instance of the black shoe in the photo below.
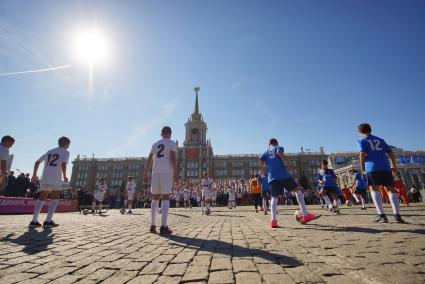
(48, 225)
(381, 219)
(398, 219)
(165, 231)
(33, 225)
(363, 208)
(153, 230)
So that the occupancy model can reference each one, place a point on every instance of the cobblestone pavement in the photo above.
(229, 246)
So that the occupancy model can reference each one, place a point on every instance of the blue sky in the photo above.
(305, 72)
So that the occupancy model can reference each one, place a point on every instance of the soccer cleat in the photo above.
(381, 219)
(256, 210)
(274, 224)
(265, 212)
(165, 231)
(129, 212)
(48, 225)
(153, 230)
(310, 217)
(399, 220)
(33, 225)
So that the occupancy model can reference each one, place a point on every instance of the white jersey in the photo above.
(131, 186)
(232, 194)
(161, 153)
(4, 153)
(53, 159)
(186, 194)
(102, 188)
(206, 183)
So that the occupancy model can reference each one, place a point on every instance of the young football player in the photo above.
(206, 184)
(399, 186)
(5, 144)
(163, 160)
(186, 198)
(360, 187)
(279, 180)
(327, 180)
(131, 190)
(265, 191)
(374, 154)
(231, 191)
(55, 162)
(99, 196)
(255, 191)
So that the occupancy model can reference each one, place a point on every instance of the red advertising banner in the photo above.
(18, 205)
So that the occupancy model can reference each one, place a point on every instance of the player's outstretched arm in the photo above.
(147, 168)
(34, 173)
(63, 166)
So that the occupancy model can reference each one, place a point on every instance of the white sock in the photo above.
(363, 202)
(154, 209)
(356, 198)
(52, 208)
(165, 205)
(129, 205)
(273, 206)
(377, 199)
(338, 202)
(395, 202)
(37, 209)
(93, 206)
(202, 206)
(327, 200)
(301, 202)
(100, 206)
(265, 205)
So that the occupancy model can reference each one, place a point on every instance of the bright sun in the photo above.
(92, 46)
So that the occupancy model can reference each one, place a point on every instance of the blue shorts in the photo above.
(360, 191)
(265, 193)
(328, 190)
(384, 178)
(277, 187)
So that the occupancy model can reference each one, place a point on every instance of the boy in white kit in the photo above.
(206, 184)
(55, 162)
(131, 189)
(99, 195)
(6, 143)
(163, 160)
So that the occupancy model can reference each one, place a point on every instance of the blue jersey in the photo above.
(376, 153)
(264, 184)
(275, 165)
(327, 176)
(360, 181)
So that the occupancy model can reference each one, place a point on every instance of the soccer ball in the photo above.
(207, 212)
(85, 211)
(122, 211)
(298, 216)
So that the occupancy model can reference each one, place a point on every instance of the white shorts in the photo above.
(130, 194)
(50, 187)
(161, 183)
(206, 194)
(98, 196)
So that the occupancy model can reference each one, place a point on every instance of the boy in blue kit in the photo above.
(328, 188)
(374, 154)
(359, 187)
(265, 190)
(279, 180)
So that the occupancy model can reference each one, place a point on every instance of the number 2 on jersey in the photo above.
(161, 148)
(375, 145)
(54, 158)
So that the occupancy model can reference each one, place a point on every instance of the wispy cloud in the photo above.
(141, 130)
(238, 83)
(259, 105)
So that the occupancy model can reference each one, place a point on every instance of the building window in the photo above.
(237, 164)
(238, 172)
(117, 175)
(253, 163)
(192, 165)
(220, 172)
(118, 167)
(220, 164)
(195, 135)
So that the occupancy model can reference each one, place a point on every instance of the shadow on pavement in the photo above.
(33, 241)
(365, 230)
(180, 215)
(217, 246)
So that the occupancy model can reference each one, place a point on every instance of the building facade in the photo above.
(196, 156)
